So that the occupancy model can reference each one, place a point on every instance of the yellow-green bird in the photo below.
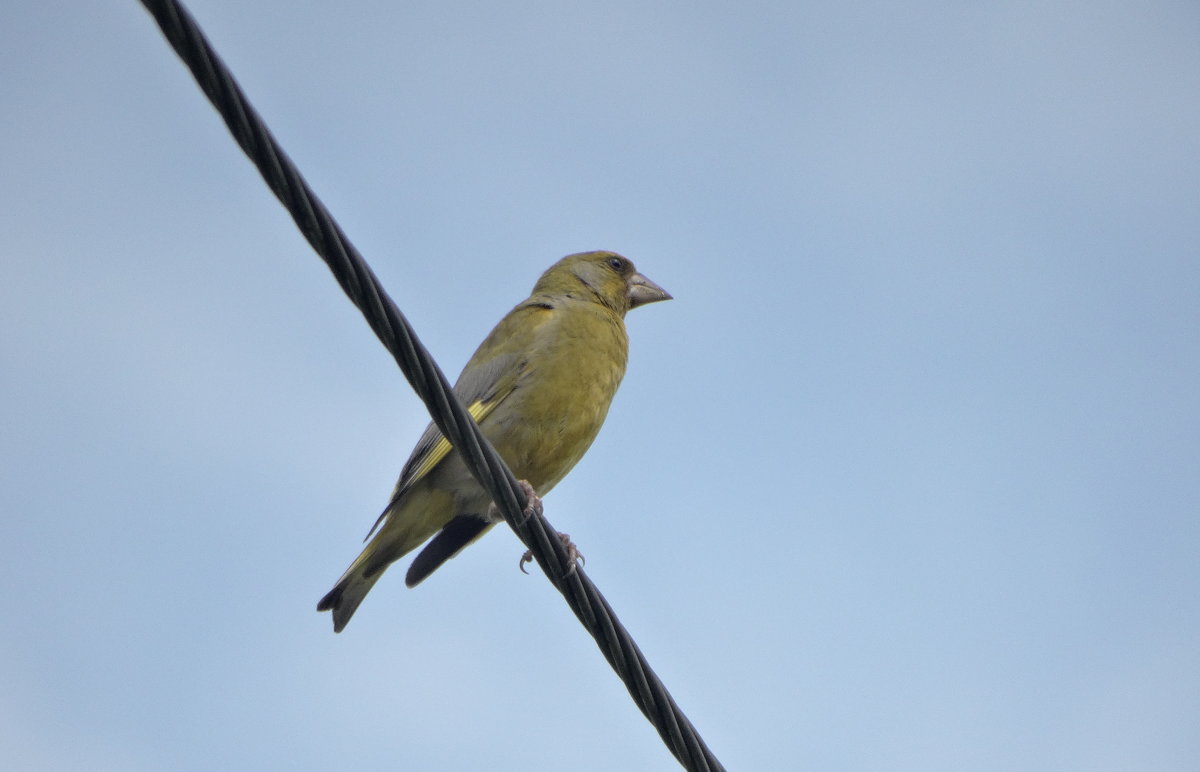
(539, 387)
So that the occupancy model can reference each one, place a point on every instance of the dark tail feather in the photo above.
(345, 596)
(455, 535)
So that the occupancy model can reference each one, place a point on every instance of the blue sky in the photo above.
(905, 478)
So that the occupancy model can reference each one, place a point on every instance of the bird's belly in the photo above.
(544, 450)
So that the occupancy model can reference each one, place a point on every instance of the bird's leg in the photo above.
(573, 556)
(532, 504)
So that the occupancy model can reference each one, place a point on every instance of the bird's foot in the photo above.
(532, 504)
(574, 558)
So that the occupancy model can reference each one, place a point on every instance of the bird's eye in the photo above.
(617, 264)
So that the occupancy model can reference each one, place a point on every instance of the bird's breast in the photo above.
(563, 397)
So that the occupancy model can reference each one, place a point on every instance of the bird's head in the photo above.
(606, 277)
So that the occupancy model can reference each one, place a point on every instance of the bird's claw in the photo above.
(532, 504)
(574, 558)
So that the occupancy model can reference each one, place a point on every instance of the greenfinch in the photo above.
(539, 386)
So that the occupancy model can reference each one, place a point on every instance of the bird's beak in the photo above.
(643, 291)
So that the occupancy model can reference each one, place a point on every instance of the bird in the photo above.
(539, 386)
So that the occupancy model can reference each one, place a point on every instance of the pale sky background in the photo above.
(906, 478)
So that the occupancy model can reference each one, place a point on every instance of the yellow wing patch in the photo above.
(478, 411)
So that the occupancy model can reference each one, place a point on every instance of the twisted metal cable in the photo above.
(430, 384)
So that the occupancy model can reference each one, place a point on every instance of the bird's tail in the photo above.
(349, 591)
(388, 545)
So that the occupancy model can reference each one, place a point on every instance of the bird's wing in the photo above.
(493, 373)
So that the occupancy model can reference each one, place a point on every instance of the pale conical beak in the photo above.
(643, 291)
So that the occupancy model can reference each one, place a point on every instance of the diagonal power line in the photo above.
(430, 384)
